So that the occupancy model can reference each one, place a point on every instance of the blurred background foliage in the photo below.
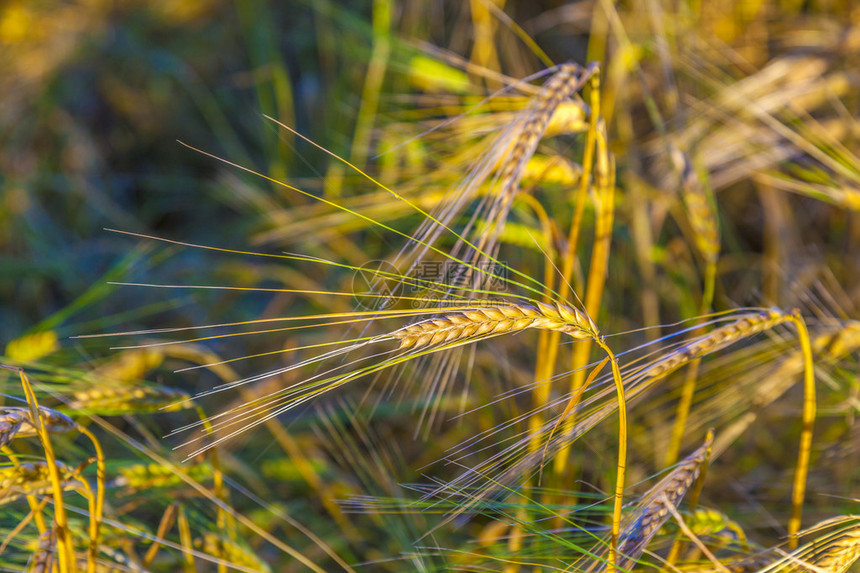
(95, 95)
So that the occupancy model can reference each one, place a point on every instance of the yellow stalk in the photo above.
(573, 235)
(809, 412)
(484, 50)
(66, 550)
(585, 178)
(574, 399)
(164, 526)
(547, 351)
(185, 539)
(373, 80)
(604, 213)
(622, 455)
(96, 517)
(548, 340)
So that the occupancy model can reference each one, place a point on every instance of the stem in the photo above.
(96, 518)
(66, 550)
(622, 455)
(809, 410)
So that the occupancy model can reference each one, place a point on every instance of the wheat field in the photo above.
(430, 286)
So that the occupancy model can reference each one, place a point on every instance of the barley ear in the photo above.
(481, 322)
(841, 552)
(651, 513)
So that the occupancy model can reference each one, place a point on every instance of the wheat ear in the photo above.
(842, 553)
(31, 478)
(652, 513)
(834, 552)
(745, 326)
(513, 158)
(562, 85)
(42, 560)
(16, 422)
(480, 322)
(108, 400)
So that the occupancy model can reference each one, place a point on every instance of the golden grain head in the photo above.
(33, 347)
(480, 322)
(42, 560)
(554, 93)
(837, 551)
(131, 399)
(843, 341)
(10, 425)
(140, 477)
(31, 478)
(703, 220)
(745, 326)
(652, 513)
(16, 422)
